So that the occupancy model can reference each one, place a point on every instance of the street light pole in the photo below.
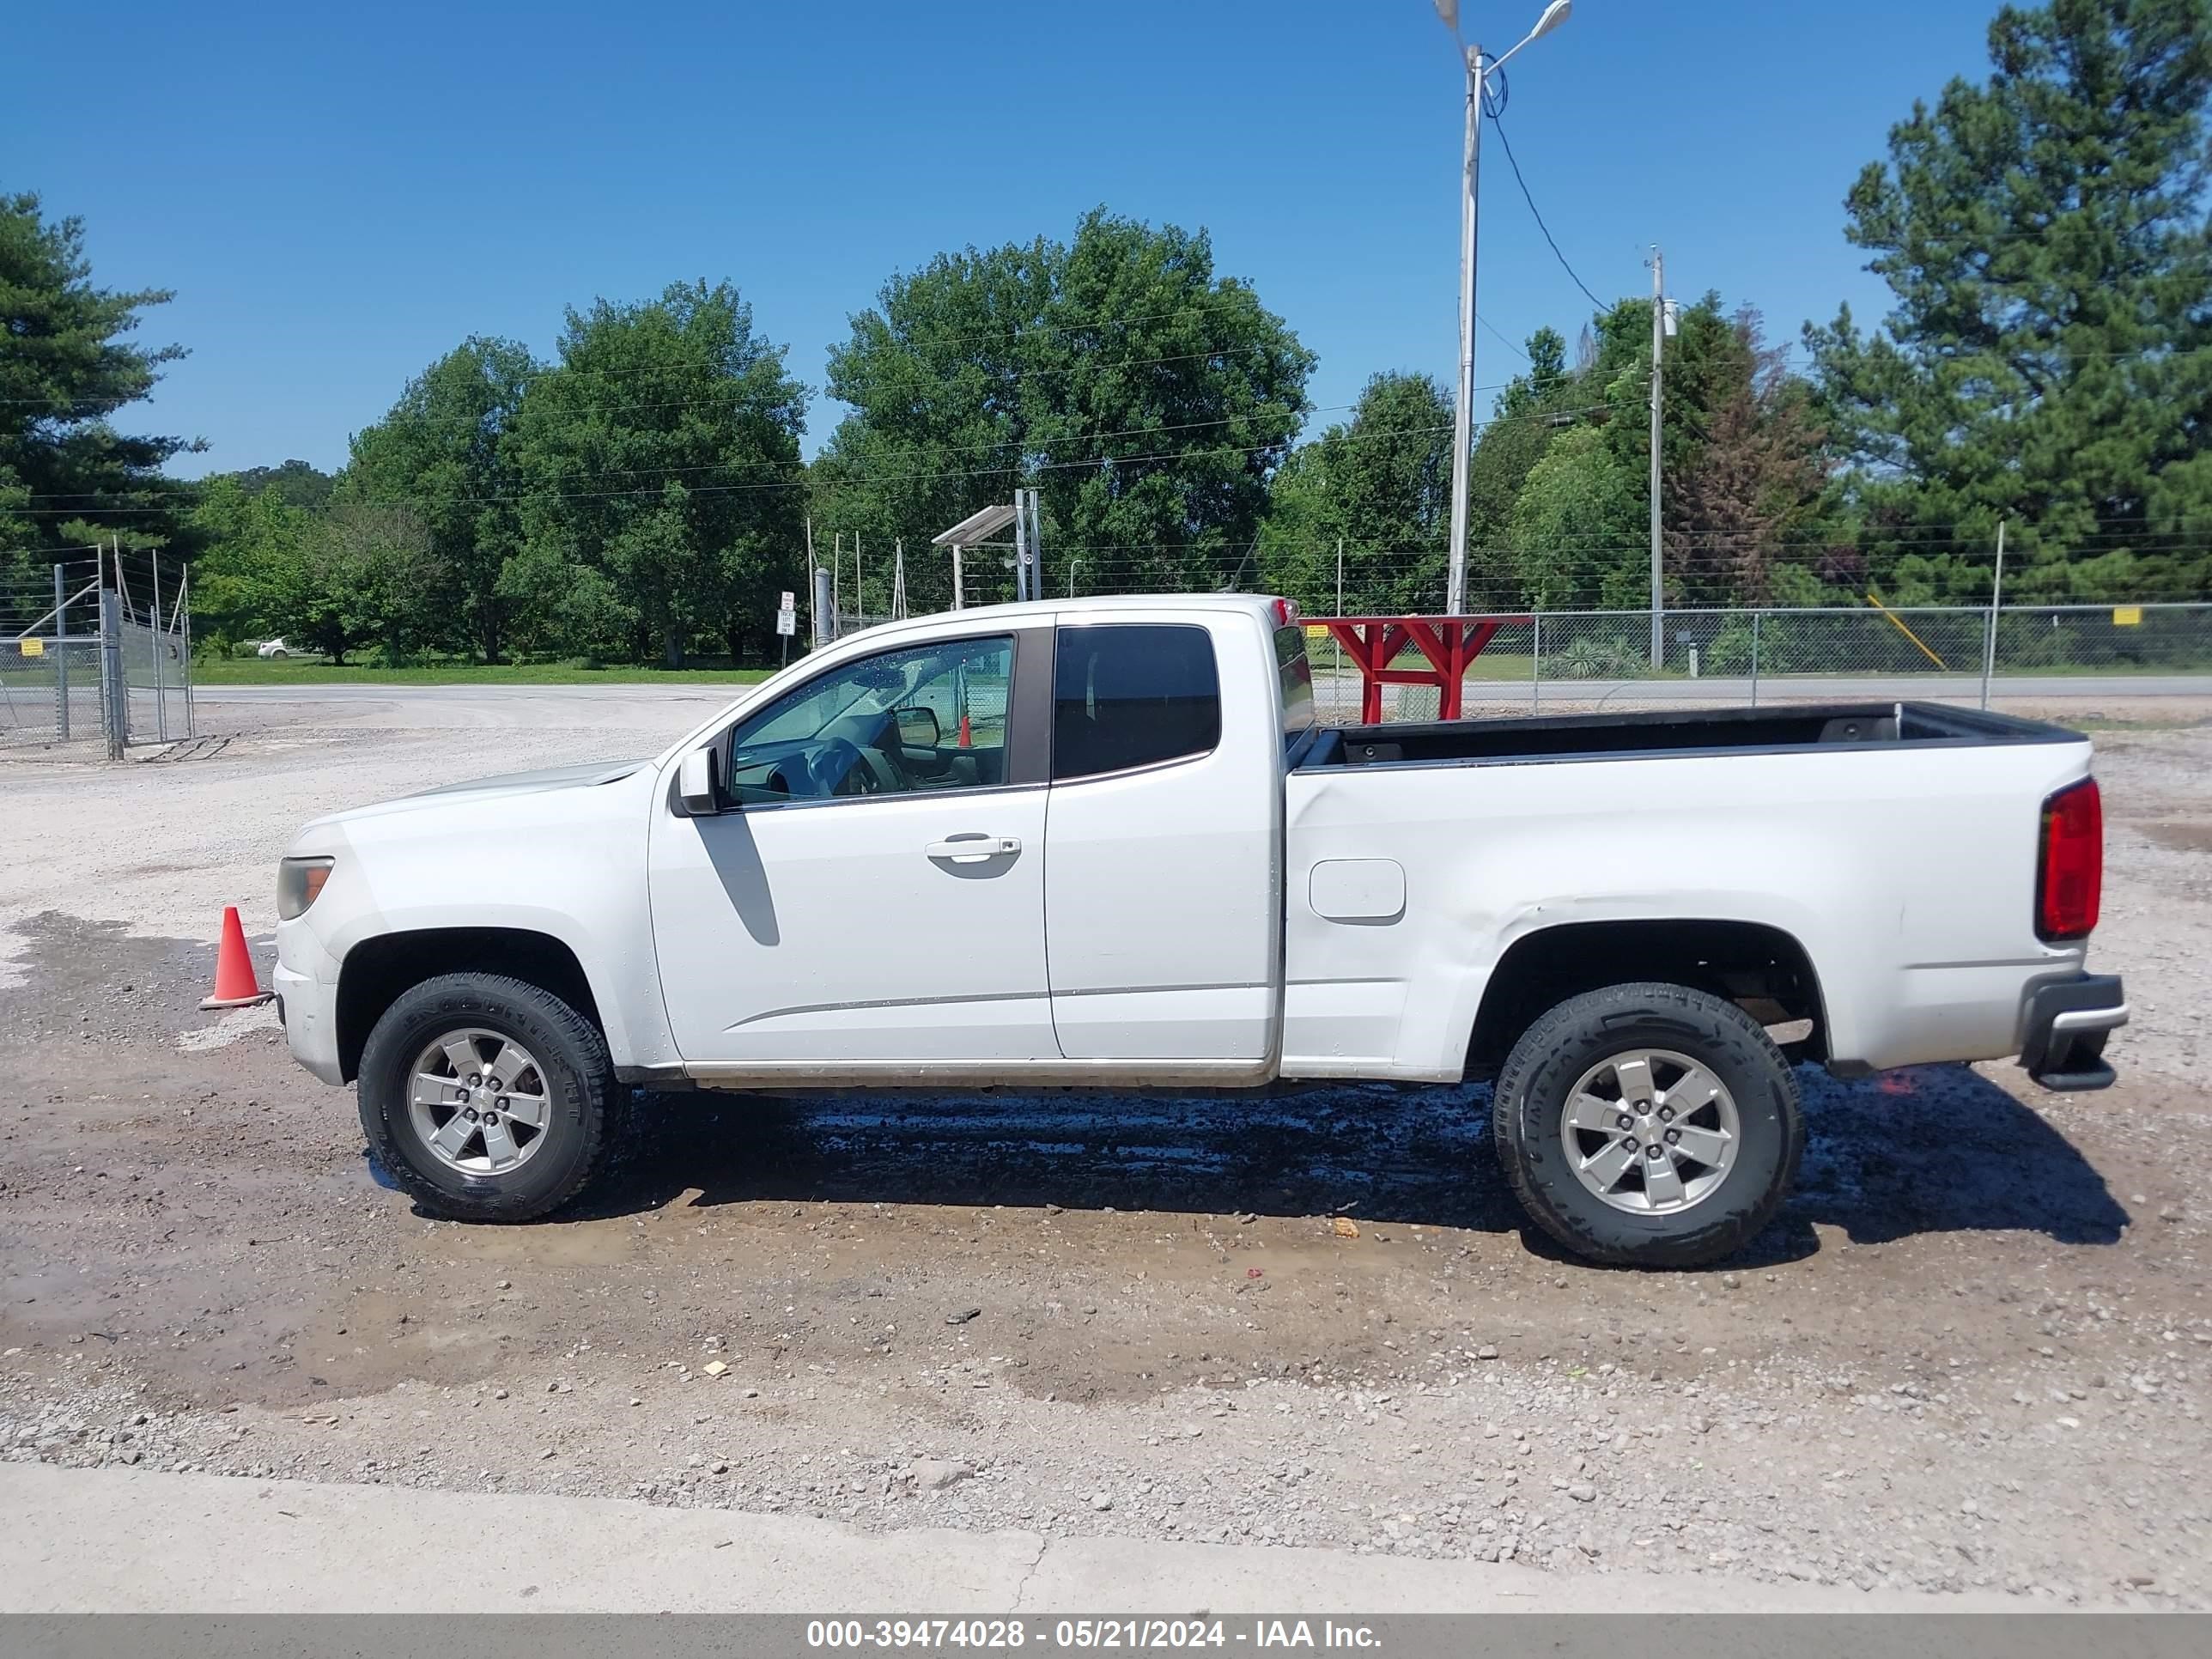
(1464, 404)
(1478, 72)
(1658, 397)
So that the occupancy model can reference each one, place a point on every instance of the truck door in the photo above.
(877, 894)
(1161, 888)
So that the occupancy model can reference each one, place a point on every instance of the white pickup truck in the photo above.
(1105, 844)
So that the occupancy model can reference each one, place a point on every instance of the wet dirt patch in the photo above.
(2185, 837)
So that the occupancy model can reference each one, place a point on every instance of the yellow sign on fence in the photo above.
(2127, 616)
(33, 647)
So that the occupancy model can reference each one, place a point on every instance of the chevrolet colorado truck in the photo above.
(1106, 844)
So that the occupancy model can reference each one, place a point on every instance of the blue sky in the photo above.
(339, 195)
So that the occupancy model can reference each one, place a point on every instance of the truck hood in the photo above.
(551, 777)
(431, 804)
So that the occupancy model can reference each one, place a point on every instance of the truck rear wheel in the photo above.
(1648, 1126)
(488, 1099)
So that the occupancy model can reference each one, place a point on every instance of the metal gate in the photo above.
(96, 649)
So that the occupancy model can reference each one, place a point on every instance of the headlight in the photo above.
(298, 883)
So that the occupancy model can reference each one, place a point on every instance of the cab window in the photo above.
(1131, 695)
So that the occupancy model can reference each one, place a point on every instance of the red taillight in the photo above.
(2069, 876)
(1287, 612)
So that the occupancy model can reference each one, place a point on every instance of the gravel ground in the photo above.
(1973, 1352)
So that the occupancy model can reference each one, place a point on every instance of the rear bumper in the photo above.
(2063, 1025)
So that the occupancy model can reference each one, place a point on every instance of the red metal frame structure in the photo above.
(1450, 645)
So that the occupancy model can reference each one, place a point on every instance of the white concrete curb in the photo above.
(130, 1540)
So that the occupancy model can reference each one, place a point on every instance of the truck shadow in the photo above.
(1931, 1150)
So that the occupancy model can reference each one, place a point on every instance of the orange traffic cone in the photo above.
(967, 738)
(235, 987)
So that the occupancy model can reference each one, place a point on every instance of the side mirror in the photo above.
(698, 781)
(918, 727)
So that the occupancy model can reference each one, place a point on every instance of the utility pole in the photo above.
(1463, 404)
(813, 614)
(61, 654)
(161, 645)
(1479, 69)
(1036, 548)
(1996, 593)
(1658, 394)
(1021, 549)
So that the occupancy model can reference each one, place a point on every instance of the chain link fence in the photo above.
(96, 654)
(1566, 661)
(50, 689)
(153, 634)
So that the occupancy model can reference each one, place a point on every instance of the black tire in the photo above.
(1554, 1054)
(587, 1107)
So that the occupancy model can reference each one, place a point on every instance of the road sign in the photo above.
(787, 621)
(789, 600)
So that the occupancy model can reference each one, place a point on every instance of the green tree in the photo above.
(935, 374)
(443, 452)
(246, 581)
(1554, 522)
(380, 565)
(1382, 482)
(2049, 357)
(1574, 525)
(1148, 399)
(660, 478)
(67, 475)
(298, 482)
(1535, 408)
(355, 574)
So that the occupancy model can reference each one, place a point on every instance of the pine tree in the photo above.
(66, 475)
(2049, 359)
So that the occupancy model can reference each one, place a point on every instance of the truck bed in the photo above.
(1796, 729)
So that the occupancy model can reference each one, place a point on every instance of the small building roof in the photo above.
(971, 530)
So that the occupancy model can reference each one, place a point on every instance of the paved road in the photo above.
(1484, 693)
(1875, 687)
(356, 691)
(121, 1541)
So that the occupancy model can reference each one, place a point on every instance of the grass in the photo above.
(2117, 670)
(308, 670)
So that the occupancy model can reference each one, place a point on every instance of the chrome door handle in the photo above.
(974, 848)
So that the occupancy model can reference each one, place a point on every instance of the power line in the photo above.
(822, 485)
(1498, 122)
(920, 342)
(1501, 338)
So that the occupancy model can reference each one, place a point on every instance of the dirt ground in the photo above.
(1973, 1352)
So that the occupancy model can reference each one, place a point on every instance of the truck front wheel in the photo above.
(1648, 1126)
(487, 1098)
